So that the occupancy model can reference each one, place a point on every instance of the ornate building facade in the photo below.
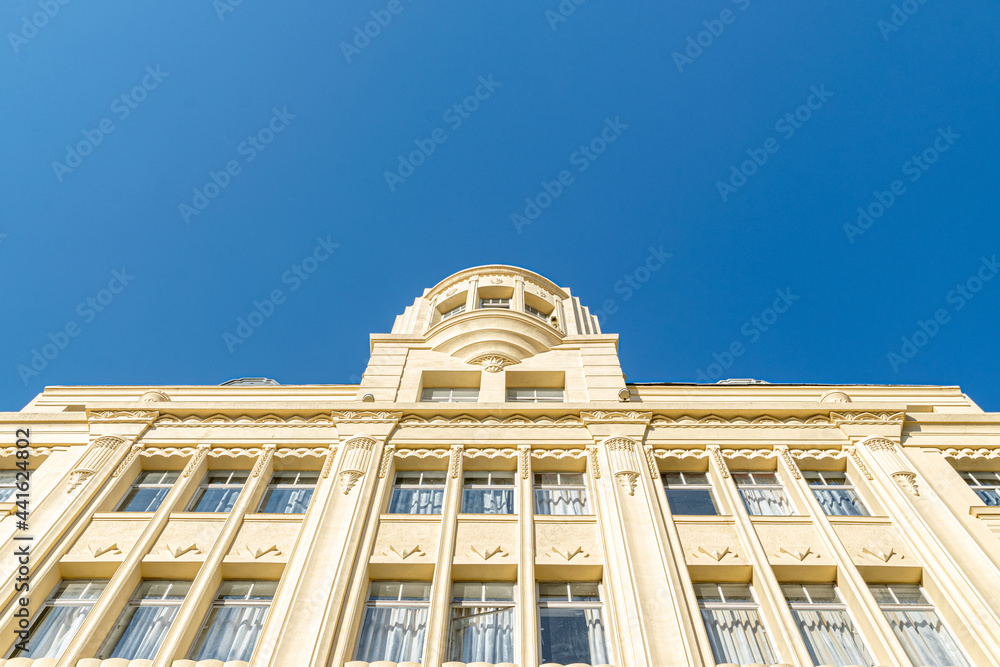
(495, 493)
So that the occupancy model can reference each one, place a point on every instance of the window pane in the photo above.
(580, 592)
(823, 593)
(989, 496)
(691, 501)
(464, 394)
(230, 633)
(52, 631)
(840, 502)
(139, 632)
(794, 592)
(384, 590)
(736, 592)
(488, 501)
(481, 634)
(214, 500)
(553, 592)
(143, 500)
(766, 502)
(80, 589)
(925, 639)
(286, 501)
(463, 590)
(416, 501)
(415, 590)
(737, 636)
(499, 591)
(569, 502)
(708, 592)
(395, 634)
(909, 594)
(573, 635)
(831, 637)
(162, 590)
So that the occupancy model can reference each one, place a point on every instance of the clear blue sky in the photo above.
(329, 111)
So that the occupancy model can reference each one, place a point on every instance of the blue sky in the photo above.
(739, 138)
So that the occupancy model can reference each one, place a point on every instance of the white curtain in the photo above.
(737, 636)
(488, 501)
(925, 640)
(393, 633)
(766, 502)
(482, 634)
(567, 502)
(53, 631)
(288, 501)
(831, 638)
(217, 500)
(989, 496)
(573, 635)
(839, 502)
(145, 633)
(417, 501)
(231, 633)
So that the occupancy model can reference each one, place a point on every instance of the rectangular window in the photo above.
(234, 622)
(535, 395)
(289, 492)
(561, 493)
(495, 303)
(732, 618)
(449, 395)
(690, 493)
(453, 312)
(488, 493)
(537, 313)
(218, 491)
(571, 624)
(417, 492)
(148, 491)
(482, 622)
(60, 617)
(826, 626)
(395, 623)
(8, 484)
(835, 493)
(985, 484)
(917, 626)
(142, 626)
(763, 494)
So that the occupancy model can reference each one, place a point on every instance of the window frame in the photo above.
(512, 486)
(542, 486)
(134, 603)
(457, 310)
(926, 606)
(770, 486)
(531, 310)
(397, 486)
(969, 476)
(482, 602)
(137, 486)
(510, 398)
(51, 602)
(217, 603)
(398, 603)
(495, 303)
(10, 486)
(204, 485)
(848, 486)
(451, 395)
(753, 604)
(690, 486)
(273, 486)
(810, 605)
(572, 604)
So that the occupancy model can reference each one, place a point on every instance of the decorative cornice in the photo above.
(679, 453)
(763, 421)
(970, 453)
(440, 421)
(620, 444)
(121, 416)
(880, 444)
(491, 452)
(492, 363)
(615, 416)
(862, 417)
(243, 420)
(365, 416)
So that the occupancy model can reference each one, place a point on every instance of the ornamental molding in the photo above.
(880, 444)
(719, 461)
(799, 554)
(99, 452)
(492, 363)
(566, 553)
(127, 461)
(487, 553)
(524, 461)
(348, 479)
(491, 452)
(365, 416)
(615, 416)
(257, 552)
(262, 460)
(559, 453)
(383, 464)
(620, 444)
(405, 553)
(192, 465)
(864, 417)
(907, 481)
(679, 453)
(970, 453)
(654, 470)
(440, 421)
(35, 451)
(747, 453)
(715, 554)
(424, 452)
(595, 462)
(763, 421)
(455, 466)
(853, 453)
(121, 416)
(879, 553)
(627, 480)
(789, 462)
(243, 420)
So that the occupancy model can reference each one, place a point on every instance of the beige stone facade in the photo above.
(494, 441)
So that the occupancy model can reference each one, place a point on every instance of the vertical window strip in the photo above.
(145, 621)
(835, 493)
(234, 622)
(289, 492)
(485, 492)
(986, 484)
(57, 621)
(826, 625)
(395, 622)
(571, 624)
(417, 492)
(917, 626)
(690, 493)
(218, 491)
(148, 491)
(732, 619)
(482, 623)
(763, 494)
(561, 494)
